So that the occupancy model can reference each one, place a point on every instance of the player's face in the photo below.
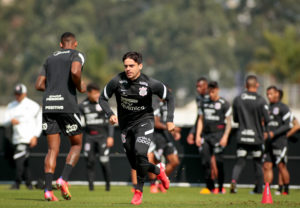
(132, 69)
(20, 97)
(272, 95)
(93, 95)
(213, 94)
(201, 87)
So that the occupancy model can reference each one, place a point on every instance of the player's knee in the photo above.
(267, 166)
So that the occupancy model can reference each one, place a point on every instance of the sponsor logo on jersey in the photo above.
(143, 140)
(56, 53)
(123, 81)
(143, 91)
(71, 128)
(44, 126)
(54, 107)
(86, 110)
(245, 96)
(55, 98)
(276, 111)
(143, 83)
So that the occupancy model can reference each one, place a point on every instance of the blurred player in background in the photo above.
(202, 92)
(59, 79)
(164, 146)
(25, 116)
(276, 139)
(98, 136)
(214, 126)
(250, 111)
(133, 91)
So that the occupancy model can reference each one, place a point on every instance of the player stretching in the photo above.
(133, 91)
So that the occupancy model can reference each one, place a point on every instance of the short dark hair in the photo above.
(136, 56)
(251, 81)
(213, 85)
(92, 86)
(281, 93)
(201, 79)
(272, 87)
(67, 37)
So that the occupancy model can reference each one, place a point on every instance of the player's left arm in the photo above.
(295, 128)
(228, 112)
(110, 138)
(161, 90)
(285, 126)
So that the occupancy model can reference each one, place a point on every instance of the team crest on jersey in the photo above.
(217, 106)
(123, 137)
(143, 91)
(276, 111)
(98, 107)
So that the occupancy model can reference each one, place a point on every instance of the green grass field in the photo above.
(120, 196)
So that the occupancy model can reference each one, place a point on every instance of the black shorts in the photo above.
(164, 146)
(68, 123)
(275, 155)
(96, 146)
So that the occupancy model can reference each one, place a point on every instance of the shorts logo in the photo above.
(44, 126)
(123, 137)
(143, 91)
(71, 128)
(143, 140)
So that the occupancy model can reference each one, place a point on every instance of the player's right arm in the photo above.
(76, 68)
(106, 94)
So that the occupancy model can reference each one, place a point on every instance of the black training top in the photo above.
(214, 115)
(134, 98)
(280, 119)
(250, 110)
(96, 121)
(60, 94)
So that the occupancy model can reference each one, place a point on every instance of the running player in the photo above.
(250, 111)
(133, 91)
(60, 77)
(214, 125)
(98, 136)
(276, 139)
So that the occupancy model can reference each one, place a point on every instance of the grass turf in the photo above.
(120, 196)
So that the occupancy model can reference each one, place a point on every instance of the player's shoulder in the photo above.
(223, 100)
(283, 105)
(12, 104)
(84, 102)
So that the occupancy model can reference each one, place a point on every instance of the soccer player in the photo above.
(163, 144)
(201, 88)
(25, 117)
(214, 125)
(133, 91)
(59, 78)
(276, 139)
(250, 111)
(98, 136)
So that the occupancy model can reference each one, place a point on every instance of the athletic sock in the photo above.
(280, 188)
(66, 172)
(48, 181)
(286, 188)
